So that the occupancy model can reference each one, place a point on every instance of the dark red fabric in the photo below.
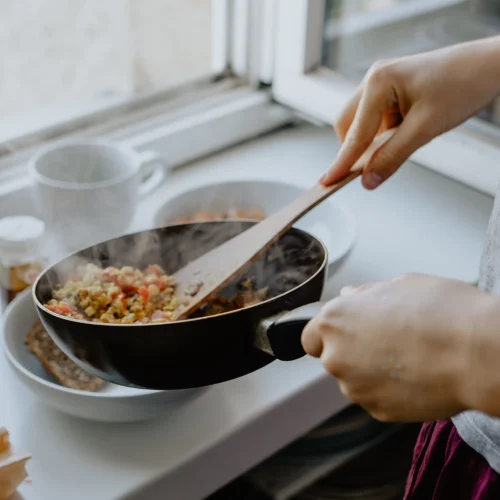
(446, 468)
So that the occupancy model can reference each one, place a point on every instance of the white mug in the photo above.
(88, 191)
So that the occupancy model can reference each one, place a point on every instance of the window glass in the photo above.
(62, 55)
(360, 32)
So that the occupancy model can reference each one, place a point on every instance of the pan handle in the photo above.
(281, 335)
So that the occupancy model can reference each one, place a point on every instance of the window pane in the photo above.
(359, 32)
(60, 54)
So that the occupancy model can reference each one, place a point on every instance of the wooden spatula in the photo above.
(203, 278)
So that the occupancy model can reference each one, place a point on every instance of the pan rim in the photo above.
(320, 269)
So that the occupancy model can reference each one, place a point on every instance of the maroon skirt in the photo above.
(444, 467)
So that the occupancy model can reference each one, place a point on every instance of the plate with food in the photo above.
(254, 200)
(64, 385)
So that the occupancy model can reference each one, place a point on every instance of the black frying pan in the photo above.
(200, 351)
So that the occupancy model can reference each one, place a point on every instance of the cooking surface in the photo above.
(417, 222)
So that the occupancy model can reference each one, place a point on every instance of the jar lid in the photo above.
(19, 233)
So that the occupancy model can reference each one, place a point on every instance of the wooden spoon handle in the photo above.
(290, 214)
(277, 224)
(226, 262)
(218, 267)
(281, 221)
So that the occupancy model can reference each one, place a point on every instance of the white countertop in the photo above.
(417, 222)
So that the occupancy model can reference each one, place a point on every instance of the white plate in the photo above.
(112, 403)
(329, 221)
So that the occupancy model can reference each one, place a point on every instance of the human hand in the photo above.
(401, 348)
(424, 95)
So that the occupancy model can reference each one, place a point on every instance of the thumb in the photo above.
(406, 139)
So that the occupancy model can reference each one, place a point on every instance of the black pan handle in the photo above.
(281, 335)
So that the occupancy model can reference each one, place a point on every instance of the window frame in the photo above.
(183, 131)
(252, 41)
(58, 122)
(181, 123)
(300, 82)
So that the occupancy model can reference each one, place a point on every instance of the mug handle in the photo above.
(153, 171)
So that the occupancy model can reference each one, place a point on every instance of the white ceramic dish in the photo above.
(112, 403)
(330, 222)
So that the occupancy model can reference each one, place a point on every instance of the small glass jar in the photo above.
(21, 254)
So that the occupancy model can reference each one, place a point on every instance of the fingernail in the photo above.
(323, 177)
(372, 180)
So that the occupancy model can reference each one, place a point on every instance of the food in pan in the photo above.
(247, 296)
(56, 363)
(232, 213)
(113, 295)
(131, 296)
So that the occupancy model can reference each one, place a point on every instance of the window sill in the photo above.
(180, 137)
(235, 415)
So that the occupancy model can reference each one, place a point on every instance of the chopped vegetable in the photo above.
(132, 296)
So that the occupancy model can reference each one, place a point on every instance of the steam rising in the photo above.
(285, 266)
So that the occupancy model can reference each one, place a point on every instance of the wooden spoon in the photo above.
(204, 277)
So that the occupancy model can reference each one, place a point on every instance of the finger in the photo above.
(352, 290)
(312, 341)
(407, 138)
(344, 389)
(377, 143)
(407, 277)
(345, 119)
(390, 119)
(348, 291)
(367, 121)
(331, 361)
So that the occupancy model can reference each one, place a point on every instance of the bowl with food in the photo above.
(330, 221)
(62, 384)
(111, 307)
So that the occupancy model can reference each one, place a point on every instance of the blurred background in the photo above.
(56, 53)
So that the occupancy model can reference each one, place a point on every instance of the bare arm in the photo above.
(480, 382)
(425, 94)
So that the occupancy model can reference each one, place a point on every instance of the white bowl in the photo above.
(113, 403)
(329, 221)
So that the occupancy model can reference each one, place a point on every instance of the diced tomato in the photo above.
(60, 309)
(128, 288)
(161, 283)
(109, 272)
(154, 269)
(70, 305)
(144, 294)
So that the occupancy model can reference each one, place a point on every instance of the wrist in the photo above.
(487, 54)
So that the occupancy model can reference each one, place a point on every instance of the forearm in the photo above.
(480, 60)
(479, 380)
(420, 96)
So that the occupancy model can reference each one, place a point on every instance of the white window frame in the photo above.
(252, 41)
(469, 154)
(183, 123)
(86, 112)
